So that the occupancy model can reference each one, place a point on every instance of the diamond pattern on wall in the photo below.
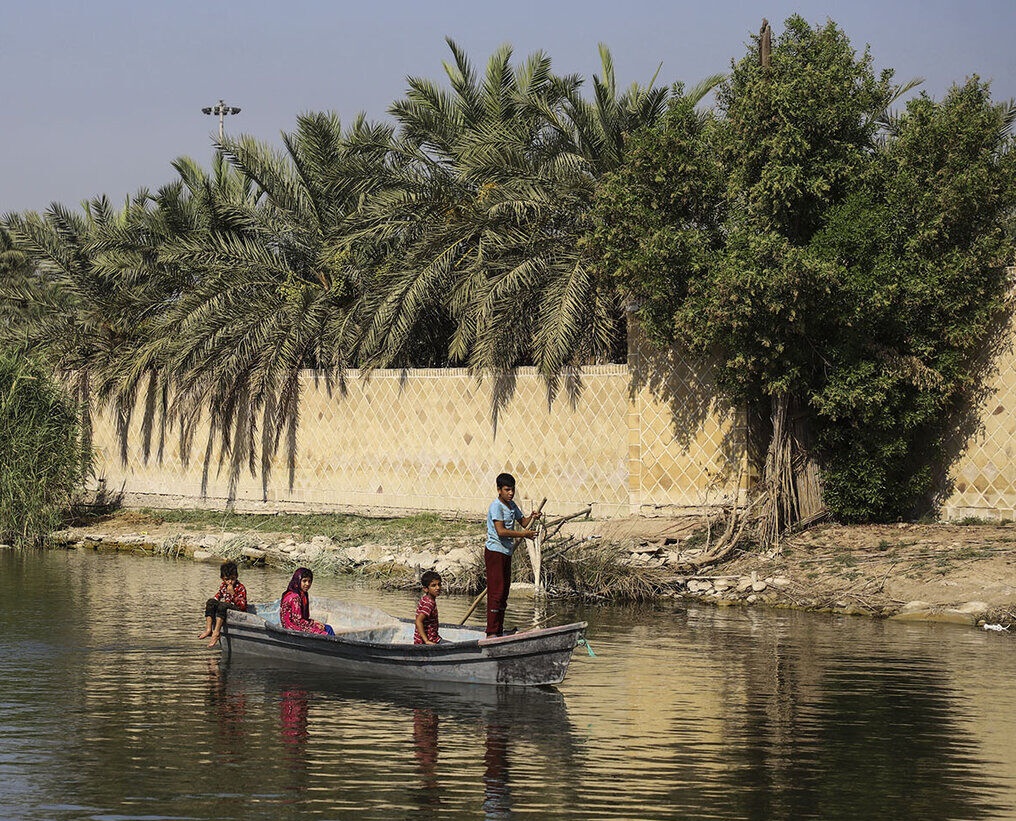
(983, 482)
(426, 440)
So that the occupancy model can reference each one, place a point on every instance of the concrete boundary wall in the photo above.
(981, 481)
(642, 440)
(649, 438)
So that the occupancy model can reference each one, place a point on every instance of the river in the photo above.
(111, 709)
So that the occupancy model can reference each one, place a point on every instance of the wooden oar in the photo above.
(483, 592)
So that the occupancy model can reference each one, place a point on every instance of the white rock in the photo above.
(462, 555)
(368, 552)
(973, 607)
(424, 560)
(758, 586)
(311, 551)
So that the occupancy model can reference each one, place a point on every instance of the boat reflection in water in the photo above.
(353, 742)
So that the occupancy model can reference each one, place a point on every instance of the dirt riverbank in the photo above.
(960, 573)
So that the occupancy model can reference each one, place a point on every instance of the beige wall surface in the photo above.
(624, 442)
(646, 438)
(982, 479)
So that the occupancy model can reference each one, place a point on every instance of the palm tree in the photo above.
(183, 210)
(479, 221)
(273, 281)
(80, 316)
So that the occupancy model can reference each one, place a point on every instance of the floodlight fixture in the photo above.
(221, 110)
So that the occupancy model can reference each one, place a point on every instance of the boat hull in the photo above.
(534, 658)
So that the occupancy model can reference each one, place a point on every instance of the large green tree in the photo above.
(274, 284)
(66, 307)
(748, 235)
(923, 244)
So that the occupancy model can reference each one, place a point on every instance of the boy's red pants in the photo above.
(499, 580)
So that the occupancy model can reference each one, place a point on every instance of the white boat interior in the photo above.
(361, 623)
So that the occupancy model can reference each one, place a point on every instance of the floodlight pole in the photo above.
(221, 109)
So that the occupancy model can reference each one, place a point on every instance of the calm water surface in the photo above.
(111, 709)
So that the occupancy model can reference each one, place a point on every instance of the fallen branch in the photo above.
(558, 523)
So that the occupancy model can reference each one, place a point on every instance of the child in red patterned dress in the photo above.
(426, 610)
(294, 611)
(231, 596)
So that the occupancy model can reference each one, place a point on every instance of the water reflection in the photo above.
(497, 796)
(426, 723)
(111, 711)
(805, 721)
(446, 720)
(229, 709)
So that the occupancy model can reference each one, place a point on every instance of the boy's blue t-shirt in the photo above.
(510, 515)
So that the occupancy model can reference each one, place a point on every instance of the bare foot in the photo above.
(205, 635)
(214, 641)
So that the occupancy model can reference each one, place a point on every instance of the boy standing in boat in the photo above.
(505, 524)
(426, 610)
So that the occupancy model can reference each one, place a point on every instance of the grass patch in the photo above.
(173, 547)
(982, 552)
(971, 521)
(843, 557)
(340, 527)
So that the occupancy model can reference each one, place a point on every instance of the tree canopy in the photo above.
(834, 256)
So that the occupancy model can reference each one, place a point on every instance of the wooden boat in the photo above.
(371, 642)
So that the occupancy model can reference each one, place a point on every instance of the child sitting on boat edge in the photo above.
(231, 596)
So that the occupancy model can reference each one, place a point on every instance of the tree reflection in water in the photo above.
(811, 732)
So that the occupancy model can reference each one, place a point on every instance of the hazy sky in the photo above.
(100, 96)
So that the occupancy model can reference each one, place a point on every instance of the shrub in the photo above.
(44, 460)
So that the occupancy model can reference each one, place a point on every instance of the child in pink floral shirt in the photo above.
(294, 612)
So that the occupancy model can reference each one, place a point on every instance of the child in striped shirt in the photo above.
(426, 610)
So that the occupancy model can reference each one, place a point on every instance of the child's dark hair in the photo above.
(228, 571)
(428, 577)
(505, 480)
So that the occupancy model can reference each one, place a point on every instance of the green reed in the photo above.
(42, 460)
